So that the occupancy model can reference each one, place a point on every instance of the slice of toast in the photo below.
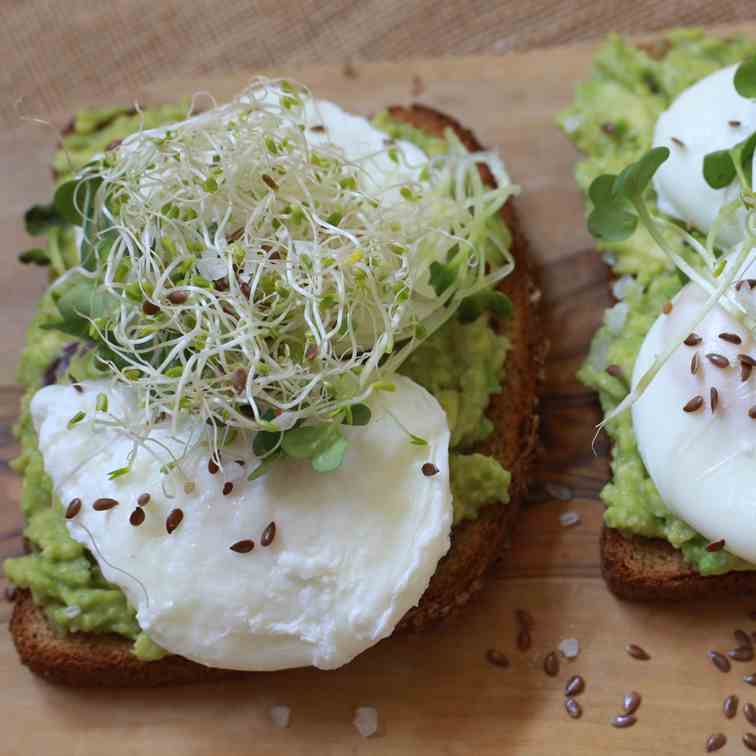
(106, 660)
(651, 569)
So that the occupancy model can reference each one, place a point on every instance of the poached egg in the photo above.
(708, 116)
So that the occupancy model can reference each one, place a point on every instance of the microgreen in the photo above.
(35, 256)
(489, 300)
(118, 473)
(745, 78)
(76, 419)
(357, 414)
(722, 167)
(38, 219)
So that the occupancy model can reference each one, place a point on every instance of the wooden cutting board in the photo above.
(435, 693)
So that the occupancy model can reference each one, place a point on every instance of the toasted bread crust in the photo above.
(106, 660)
(651, 569)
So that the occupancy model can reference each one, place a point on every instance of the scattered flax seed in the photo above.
(694, 404)
(573, 708)
(739, 284)
(667, 308)
(734, 124)
(716, 545)
(243, 547)
(721, 662)
(746, 359)
(730, 706)
(78, 388)
(212, 466)
(574, 686)
(268, 534)
(143, 500)
(741, 654)
(715, 742)
(714, 398)
(750, 679)
(749, 712)
(752, 413)
(749, 741)
(524, 619)
(318, 129)
(637, 652)
(73, 508)
(624, 720)
(150, 308)
(524, 641)
(745, 371)
(228, 486)
(731, 338)
(693, 340)
(240, 462)
(742, 638)
(101, 505)
(173, 520)
(136, 518)
(417, 86)
(178, 297)
(429, 469)
(615, 371)
(551, 664)
(349, 71)
(678, 142)
(718, 360)
(694, 364)
(631, 702)
(496, 658)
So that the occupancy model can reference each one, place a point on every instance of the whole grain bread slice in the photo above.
(106, 660)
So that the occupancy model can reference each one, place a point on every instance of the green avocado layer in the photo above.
(462, 365)
(611, 121)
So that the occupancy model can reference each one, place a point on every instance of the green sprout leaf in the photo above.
(265, 443)
(331, 457)
(76, 419)
(39, 219)
(80, 304)
(611, 219)
(441, 277)
(634, 179)
(743, 153)
(745, 78)
(358, 414)
(34, 256)
(263, 467)
(417, 440)
(308, 441)
(719, 169)
(119, 473)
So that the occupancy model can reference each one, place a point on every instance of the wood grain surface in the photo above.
(435, 692)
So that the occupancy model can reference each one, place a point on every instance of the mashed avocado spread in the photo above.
(461, 364)
(612, 121)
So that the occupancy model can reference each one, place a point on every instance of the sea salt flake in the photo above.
(280, 716)
(569, 648)
(567, 519)
(366, 721)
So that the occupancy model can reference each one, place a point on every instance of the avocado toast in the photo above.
(647, 551)
(103, 658)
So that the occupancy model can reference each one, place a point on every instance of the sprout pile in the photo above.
(239, 267)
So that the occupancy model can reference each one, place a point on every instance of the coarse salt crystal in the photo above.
(280, 716)
(366, 721)
(566, 519)
(569, 648)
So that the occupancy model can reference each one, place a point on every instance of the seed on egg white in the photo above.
(718, 360)
(714, 398)
(694, 364)
(73, 508)
(101, 505)
(268, 534)
(692, 340)
(136, 518)
(716, 545)
(429, 469)
(243, 547)
(228, 486)
(143, 500)
(173, 520)
(752, 412)
(694, 404)
(731, 338)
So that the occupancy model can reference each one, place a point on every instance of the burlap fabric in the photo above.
(57, 54)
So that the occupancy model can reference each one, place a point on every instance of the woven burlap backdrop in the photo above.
(57, 54)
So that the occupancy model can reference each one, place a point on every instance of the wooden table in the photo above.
(435, 692)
